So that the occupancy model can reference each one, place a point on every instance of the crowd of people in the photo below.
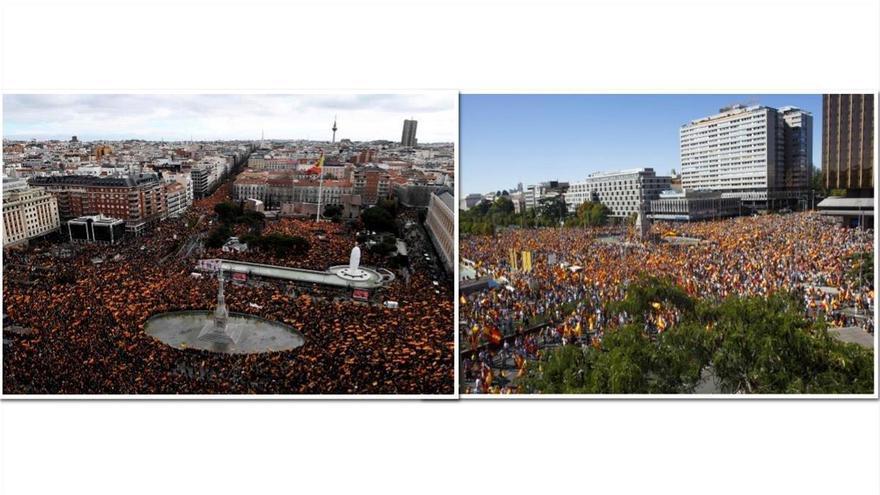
(85, 313)
(566, 300)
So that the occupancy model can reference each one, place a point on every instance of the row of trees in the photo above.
(745, 344)
(381, 217)
(487, 216)
(278, 243)
(230, 214)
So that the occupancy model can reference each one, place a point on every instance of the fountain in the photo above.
(354, 272)
(220, 331)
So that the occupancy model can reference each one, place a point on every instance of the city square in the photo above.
(746, 270)
(158, 275)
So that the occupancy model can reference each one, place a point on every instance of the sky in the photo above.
(506, 139)
(170, 117)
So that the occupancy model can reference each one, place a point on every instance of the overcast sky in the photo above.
(360, 117)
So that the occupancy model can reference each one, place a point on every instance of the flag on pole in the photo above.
(318, 166)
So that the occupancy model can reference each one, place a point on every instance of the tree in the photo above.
(388, 204)
(227, 211)
(681, 354)
(333, 211)
(862, 268)
(562, 371)
(642, 295)
(592, 214)
(553, 209)
(384, 248)
(502, 206)
(753, 345)
(768, 346)
(481, 208)
(218, 236)
(281, 244)
(378, 219)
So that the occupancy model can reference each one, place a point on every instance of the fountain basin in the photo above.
(180, 329)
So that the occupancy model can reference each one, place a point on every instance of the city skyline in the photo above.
(582, 134)
(210, 117)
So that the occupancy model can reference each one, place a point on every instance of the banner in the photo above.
(212, 266)
(527, 261)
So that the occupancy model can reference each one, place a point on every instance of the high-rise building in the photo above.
(28, 212)
(409, 133)
(757, 153)
(440, 224)
(797, 130)
(848, 143)
(622, 191)
(848, 158)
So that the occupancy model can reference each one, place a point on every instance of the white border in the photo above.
(453, 95)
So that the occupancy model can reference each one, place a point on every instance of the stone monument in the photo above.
(353, 272)
(215, 331)
(643, 225)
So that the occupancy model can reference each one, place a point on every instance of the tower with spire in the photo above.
(333, 141)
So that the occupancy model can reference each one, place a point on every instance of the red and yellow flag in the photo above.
(495, 336)
(318, 166)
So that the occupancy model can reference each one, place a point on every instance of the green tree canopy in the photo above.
(752, 345)
(592, 214)
(378, 219)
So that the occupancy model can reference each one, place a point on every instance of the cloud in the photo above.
(227, 116)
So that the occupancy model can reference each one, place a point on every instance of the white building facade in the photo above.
(755, 153)
(28, 212)
(440, 223)
(622, 191)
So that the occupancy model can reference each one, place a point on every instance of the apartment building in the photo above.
(137, 198)
(28, 212)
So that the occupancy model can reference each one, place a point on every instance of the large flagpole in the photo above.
(321, 172)
(320, 185)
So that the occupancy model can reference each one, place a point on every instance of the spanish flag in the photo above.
(318, 166)
(495, 336)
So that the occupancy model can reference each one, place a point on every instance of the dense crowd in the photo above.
(567, 301)
(86, 311)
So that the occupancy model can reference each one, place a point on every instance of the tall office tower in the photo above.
(848, 143)
(797, 126)
(758, 154)
(409, 133)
